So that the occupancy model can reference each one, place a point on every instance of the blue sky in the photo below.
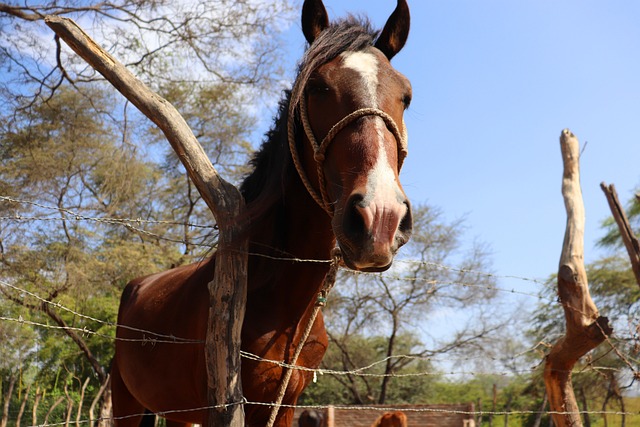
(494, 83)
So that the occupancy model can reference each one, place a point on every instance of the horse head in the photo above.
(351, 103)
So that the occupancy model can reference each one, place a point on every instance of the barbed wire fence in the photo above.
(137, 225)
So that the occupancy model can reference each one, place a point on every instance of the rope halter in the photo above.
(319, 149)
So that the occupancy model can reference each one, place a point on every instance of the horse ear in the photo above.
(314, 19)
(396, 30)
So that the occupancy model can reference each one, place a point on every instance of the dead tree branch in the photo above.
(629, 239)
(228, 289)
(585, 328)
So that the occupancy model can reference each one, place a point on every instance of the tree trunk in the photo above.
(495, 404)
(538, 421)
(227, 292)
(7, 400)
(23, 404)
(69, 406)
(585, 328)
(34, 409)
(106, 416)
(81, 401)
(103, 387)
(585, 408)
(623, 411)
(507, 411)
(55, 404)
(388, 368)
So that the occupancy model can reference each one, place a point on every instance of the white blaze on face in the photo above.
(366, 64)
(382, 208)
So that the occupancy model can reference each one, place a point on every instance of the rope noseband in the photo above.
(319, 149)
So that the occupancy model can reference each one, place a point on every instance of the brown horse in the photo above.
(391, 419)
(304, 197)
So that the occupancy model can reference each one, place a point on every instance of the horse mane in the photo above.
(272, 164)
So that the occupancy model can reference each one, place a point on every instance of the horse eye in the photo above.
(317, 87)
(406, 100)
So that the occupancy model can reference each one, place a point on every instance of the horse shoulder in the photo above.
(173, 291)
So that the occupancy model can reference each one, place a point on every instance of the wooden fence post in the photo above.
(585, 328)
(228, 288)
(331, 416)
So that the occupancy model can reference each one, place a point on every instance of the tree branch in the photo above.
(19, 12)
(586, 329)
(629, 239)
(227, 292)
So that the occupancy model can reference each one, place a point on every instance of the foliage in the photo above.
(413, 385)
(92, 196)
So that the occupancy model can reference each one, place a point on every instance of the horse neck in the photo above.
(295, 228)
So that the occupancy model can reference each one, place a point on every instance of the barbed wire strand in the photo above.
(162, 338)
(410, 408)
(359, 372)
(172, 338)
(169, 338)
(80, 217)
(129, 221)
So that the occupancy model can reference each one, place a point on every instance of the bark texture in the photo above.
(585, 328)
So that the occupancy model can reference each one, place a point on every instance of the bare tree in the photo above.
(585, 327)
(389, 311)
(160, 40)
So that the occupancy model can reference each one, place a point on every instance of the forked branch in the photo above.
(227, 292)
(585, 328)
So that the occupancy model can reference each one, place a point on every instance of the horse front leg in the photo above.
(127, 411)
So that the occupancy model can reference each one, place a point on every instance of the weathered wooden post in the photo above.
(227, 290)
(585, 328)
(628, 238)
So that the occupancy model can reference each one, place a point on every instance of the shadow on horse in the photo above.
(326, 175)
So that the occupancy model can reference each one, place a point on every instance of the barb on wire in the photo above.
(130, 224)
(86, 331)
(162, 414)
(154, 337)
(79, 217)
(160, 338)
(470, 271)
(408, 408)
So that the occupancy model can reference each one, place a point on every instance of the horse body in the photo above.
(302, 203)
(175, 303)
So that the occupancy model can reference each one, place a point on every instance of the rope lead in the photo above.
(327, 285)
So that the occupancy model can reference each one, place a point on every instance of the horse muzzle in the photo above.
(372, 231)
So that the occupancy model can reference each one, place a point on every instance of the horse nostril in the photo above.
(353, 222)
(406, 225)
